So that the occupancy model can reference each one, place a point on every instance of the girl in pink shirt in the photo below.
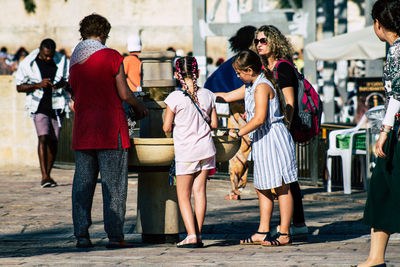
(191, 114)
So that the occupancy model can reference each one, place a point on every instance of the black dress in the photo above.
(382, 210)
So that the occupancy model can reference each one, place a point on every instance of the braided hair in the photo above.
(186, 67)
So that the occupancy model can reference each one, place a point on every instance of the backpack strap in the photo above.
(300, 77)
(275, 69)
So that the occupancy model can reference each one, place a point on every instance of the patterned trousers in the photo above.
(113, 167)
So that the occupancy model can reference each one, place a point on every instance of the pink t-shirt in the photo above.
(192, 135)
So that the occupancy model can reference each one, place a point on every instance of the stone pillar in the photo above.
(158, 215)
(18, 139)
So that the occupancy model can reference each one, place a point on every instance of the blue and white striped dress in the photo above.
(272, 145)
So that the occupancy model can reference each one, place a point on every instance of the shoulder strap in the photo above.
(197, 107)
(300, 78)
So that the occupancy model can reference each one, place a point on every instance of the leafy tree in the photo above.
(30, 6)
(299, 4)
(290, 3)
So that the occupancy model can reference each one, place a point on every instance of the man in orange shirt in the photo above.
(132, 63)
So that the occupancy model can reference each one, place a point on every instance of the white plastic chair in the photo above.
(346, 155)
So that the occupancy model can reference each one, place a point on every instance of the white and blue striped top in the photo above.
(272, 145)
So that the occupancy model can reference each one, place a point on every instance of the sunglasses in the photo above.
(261, 40)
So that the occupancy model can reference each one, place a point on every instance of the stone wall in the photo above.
(161, 22)
(18, 139)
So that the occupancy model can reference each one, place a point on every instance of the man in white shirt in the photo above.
(42, 75)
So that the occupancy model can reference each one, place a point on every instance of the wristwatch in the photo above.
(237, 132)
(384, 129)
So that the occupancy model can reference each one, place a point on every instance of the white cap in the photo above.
(134, 43)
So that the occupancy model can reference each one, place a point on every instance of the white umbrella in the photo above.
(362, 44)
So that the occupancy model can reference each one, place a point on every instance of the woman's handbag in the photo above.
(131, 121)
(172, 175)
(131, 118)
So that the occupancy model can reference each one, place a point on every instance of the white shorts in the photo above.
(190, 167)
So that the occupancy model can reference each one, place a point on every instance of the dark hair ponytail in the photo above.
(249, 59)
(387, 12)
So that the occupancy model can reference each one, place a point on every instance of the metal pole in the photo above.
(329, 89)
(199, 37)
(310, 72)
(310, 69)
(342, 65)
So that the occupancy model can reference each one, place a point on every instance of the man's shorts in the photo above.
(190, 167)
(46, 125)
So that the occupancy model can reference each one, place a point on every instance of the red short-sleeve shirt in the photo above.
(99, 114)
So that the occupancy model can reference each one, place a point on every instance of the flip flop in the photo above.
(185, 243)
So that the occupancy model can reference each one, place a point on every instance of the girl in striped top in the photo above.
(272, 145)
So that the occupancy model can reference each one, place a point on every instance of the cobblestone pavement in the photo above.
(36, 228)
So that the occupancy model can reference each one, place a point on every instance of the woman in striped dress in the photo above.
(273, 147)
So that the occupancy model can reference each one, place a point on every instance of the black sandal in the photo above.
(249, 240)
(185, 243)
(275, 242)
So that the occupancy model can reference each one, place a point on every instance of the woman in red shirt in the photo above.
(100, 132)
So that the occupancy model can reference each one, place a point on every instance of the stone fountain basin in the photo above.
(160, 151)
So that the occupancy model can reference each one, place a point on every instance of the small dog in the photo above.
(238, 165)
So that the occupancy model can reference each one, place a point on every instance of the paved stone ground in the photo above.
(36, 229)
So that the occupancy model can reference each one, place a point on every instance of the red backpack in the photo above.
(306, 122)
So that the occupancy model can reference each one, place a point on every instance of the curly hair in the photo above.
(94, 25)
(243, 39)
(387, 12)
(280, 46)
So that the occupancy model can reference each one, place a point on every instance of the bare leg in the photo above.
(286, 210)
(184, 185)
(51, 154)
(379, 241)
(200, 199)
(285, 207)
(42, 153)
(266, 203)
